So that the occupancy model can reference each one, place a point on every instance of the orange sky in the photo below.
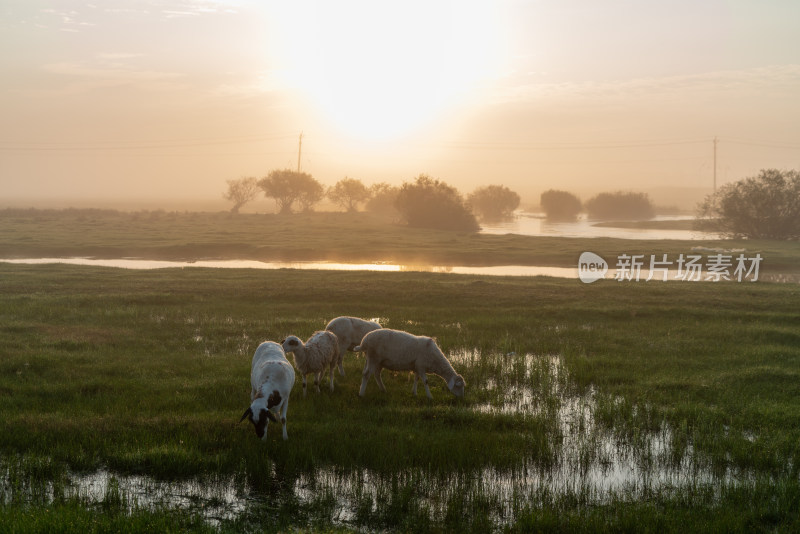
(167, 99)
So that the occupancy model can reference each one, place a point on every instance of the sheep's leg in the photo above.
(424, 379)
(414, 389)
(304, 385)
(342, 350)
(379, 380)
(284, 409)
(316, 380)
(365, 374)
(333, 366)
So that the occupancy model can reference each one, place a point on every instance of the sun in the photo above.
(381, 69)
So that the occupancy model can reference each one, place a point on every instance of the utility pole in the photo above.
(300, 150)
(715, 163)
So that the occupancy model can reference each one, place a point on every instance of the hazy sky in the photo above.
(122, 99)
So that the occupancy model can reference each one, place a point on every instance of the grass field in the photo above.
(602, 407)
(343, 237)
(679, 224)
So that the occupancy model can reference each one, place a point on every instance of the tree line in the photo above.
(766, 206)
(564, 206)
(425, 202)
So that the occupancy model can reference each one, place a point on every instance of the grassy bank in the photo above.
(147, 372)
(680, 224)
(343, 237)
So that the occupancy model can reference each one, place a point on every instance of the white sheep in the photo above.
(349, 331)
(271, 380)
(400, 351)
(320, 351)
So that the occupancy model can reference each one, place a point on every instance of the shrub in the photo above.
(382, 197)
(560, 205)
(494, 202)
(766, 206)
(430, 203)
(348, 193)
(620, 205)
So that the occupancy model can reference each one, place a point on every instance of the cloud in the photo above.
(196, 8)
(171, 14)
(117, 56)
(83, 76)
(69, 19)
(769, 78)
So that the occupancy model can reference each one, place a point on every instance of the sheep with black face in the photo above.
(271, 380)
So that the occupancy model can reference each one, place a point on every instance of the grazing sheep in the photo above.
(320, 351)
(271, 379)
(400, 351)
(349, 331)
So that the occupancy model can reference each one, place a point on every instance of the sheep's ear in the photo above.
(247, 412)
(283, 341)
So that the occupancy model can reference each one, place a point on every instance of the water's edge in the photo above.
(495, 270)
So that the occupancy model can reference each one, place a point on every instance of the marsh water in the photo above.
(538, 225)
(136, 263)
(524, 223)
(495, 270)
(584, 459)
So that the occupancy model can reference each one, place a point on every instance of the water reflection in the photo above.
(588, 461)
(494, 270)
(135, 263)
(536, 224)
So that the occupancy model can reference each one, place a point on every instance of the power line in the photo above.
(68, 146)
(761, 143)
(568, 146)
(73, 146)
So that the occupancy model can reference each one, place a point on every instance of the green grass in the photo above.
(342, 237)
(147, 373)
(679, 224)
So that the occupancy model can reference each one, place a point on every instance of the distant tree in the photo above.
(766, 206)
(241, 191)
(560, 205)
(430, 203)
(311, 192)
(287, 187)
(348, 193)
(382, 197)
(494, 202)
(620, 206)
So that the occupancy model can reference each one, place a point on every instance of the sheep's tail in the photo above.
(358, 349)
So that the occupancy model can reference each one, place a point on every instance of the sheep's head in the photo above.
(291, 343)
(456, 385)
(260, 423)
